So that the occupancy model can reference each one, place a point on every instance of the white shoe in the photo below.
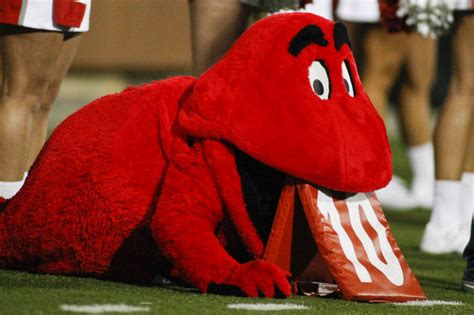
(396, 195)
(444, 239)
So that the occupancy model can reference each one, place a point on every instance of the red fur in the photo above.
(222, 162)
(140, 183)
(339, 143)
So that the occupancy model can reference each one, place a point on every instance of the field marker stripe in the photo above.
(266, 307)
(103, 308)
(429, 303)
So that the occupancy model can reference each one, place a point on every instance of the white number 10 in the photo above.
(359, 202)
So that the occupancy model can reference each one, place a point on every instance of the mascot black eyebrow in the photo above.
(179, 177)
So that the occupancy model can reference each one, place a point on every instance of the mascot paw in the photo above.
(256, 278)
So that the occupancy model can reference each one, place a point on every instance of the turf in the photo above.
(440, 276)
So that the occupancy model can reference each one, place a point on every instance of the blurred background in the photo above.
(131, 42)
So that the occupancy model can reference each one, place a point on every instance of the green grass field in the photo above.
(440, 276)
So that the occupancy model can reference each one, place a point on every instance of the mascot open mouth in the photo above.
(261, 188)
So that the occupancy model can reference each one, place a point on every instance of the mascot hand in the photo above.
(259, 276)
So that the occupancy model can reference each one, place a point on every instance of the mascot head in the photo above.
(288, 95)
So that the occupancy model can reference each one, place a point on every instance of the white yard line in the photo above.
(103, 308)
(266, 307)
(430, 303)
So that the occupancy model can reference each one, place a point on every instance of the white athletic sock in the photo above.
(9, 189)
(446, 209)
(467, 196)
(421, 160)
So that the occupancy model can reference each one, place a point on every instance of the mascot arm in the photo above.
(188, 212)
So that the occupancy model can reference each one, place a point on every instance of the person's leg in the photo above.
(415, 114)
(446, 232)
(215, 25)
(28, 60)
(467, 179)
(39, 127)
(415, 106)
(453, 128)
(383, 56)
(467, 202)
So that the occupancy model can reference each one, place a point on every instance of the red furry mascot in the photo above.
(181, 177)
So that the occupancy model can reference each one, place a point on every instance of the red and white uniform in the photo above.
(51, 15)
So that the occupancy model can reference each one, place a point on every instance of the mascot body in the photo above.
(182, 177)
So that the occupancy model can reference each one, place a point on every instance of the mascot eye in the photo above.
(319, 80)
(346, 76)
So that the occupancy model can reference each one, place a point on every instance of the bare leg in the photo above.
(384, 55)
(467, 180)
(216, 24)
(415, 114)
(415, 106)
(448, 229)
(467, 207)
(469, 158)
(39, 127)
(452, 130)
(28, 63)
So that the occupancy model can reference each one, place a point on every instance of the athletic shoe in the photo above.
(444, 239)
(396, 195)
(468, 278)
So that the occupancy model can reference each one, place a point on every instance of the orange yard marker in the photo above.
(338, 242)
